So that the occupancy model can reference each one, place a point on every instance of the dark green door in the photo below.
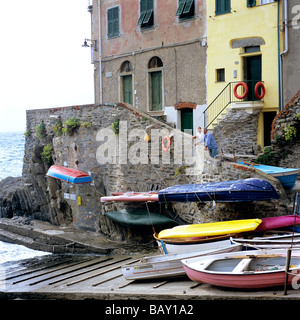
(156, 91)
(187, 120)
(253, 72)
(127, 89)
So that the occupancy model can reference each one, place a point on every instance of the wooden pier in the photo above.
(77, 277)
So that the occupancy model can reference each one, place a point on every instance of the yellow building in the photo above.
(243, 46)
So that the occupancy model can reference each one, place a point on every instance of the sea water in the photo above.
(11, 164)
(11, 154)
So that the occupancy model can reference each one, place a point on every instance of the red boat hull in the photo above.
(250, 281)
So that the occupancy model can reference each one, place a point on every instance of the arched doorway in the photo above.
(155, 68)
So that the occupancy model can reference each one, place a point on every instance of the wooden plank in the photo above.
(99, 274)
(126, 284)
(107, 279)
(81, 273)
(37, 269)
(195, 285)
(66, 272)
(50, 271)
(160, 284)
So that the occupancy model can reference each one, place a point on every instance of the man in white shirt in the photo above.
(199, 136)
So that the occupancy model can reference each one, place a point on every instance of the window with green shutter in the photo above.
(146, 19)
(251, 3)
(223, 6)
(113, 22)
(186, 9)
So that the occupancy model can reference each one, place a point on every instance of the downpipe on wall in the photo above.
(286, 49)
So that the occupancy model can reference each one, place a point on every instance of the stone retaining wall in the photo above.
(286, 150)
(237, 131)
(79, 205)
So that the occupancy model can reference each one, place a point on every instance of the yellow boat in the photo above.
(210, 229)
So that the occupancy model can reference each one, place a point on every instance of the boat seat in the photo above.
(242, 266)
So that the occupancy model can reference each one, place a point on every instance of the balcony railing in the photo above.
(226, 97)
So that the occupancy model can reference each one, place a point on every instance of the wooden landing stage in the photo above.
(100, 277)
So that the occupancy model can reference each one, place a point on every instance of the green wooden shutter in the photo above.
(143, 5)
(251, 3)
(188, 6)
(223, 6)
(146, 13)
(156, 91)
(113, 22)
(227, 6)
(116, 21)
(180, 7)
(110, 23)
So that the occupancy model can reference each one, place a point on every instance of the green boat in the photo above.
(139, 218)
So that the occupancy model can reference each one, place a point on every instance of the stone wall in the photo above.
(286, 146)
(237, 131)
(136, 165)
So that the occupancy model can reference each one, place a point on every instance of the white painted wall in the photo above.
(174, 116)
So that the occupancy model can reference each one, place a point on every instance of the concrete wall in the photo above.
(291, 60)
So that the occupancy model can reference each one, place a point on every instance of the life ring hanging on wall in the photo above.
(163, 143)
(263, 90)
(245, 90)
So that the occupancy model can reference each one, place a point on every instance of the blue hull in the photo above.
(68, 174)
(286, 176)
(69, 178)
(227, 191)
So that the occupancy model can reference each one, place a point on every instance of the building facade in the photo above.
(185, 59)
(152, 55)
(243, 40)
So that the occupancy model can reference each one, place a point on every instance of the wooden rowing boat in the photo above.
(244, 270)
(131, 197)
(165, 266)
(286, 176)
(274, 242)
(171, 246)
(68, 174)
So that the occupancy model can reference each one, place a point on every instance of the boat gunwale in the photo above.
(243, 273)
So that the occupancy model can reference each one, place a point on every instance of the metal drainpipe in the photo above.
(286, 49)
(100, 55)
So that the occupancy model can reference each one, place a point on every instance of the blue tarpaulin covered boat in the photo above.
(227, 191)
(68, 174)
(286, 176)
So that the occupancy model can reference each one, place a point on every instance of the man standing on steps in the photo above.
(210, 143)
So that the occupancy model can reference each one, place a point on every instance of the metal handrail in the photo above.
(226, 97)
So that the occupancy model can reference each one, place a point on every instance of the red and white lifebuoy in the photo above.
(245, 90)
(263, 90)
(163, 143)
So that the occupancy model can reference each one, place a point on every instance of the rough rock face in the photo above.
(9, 201)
